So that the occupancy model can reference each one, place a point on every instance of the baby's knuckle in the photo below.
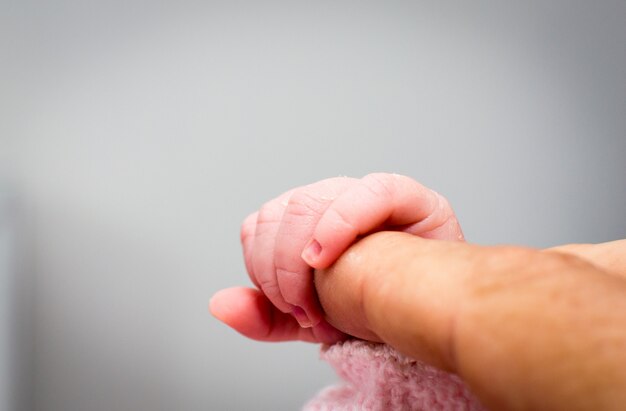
(245, 232)
(269, 287)
(304, 203)
(381, 185)
(342, 220)
(268, 214)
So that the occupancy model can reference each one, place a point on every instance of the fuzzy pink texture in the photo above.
(377, 377)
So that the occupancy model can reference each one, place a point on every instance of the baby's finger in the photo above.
(250, 313)
(268, 223)
(378, 199)
(248, 228)
(294, 276)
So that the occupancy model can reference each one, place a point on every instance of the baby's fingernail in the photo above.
(301, 317)
(312, 250)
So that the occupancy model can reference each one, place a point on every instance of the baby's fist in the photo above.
(311, 226)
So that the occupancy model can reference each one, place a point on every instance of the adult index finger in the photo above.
(525, 329)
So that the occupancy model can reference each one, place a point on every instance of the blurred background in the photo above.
(136, 135)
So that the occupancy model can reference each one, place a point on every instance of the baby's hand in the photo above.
(311, 226)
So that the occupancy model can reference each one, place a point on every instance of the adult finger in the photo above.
(525, 329)
(294, 276)
(609, 256)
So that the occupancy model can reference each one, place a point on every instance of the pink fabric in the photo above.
(377, 377)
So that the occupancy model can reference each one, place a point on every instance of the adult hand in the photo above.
(526, 329)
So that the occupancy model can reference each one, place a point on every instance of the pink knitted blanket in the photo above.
(377, 377)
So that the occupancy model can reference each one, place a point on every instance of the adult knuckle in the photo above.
(510, 269)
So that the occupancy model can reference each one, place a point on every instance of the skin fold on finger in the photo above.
(294, 276)
(441, 224)
(525, 329)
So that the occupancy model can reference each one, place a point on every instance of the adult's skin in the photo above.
(526, 329)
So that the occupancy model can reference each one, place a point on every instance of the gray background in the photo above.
(137, 134)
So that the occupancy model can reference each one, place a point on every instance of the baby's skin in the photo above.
(308, 228)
